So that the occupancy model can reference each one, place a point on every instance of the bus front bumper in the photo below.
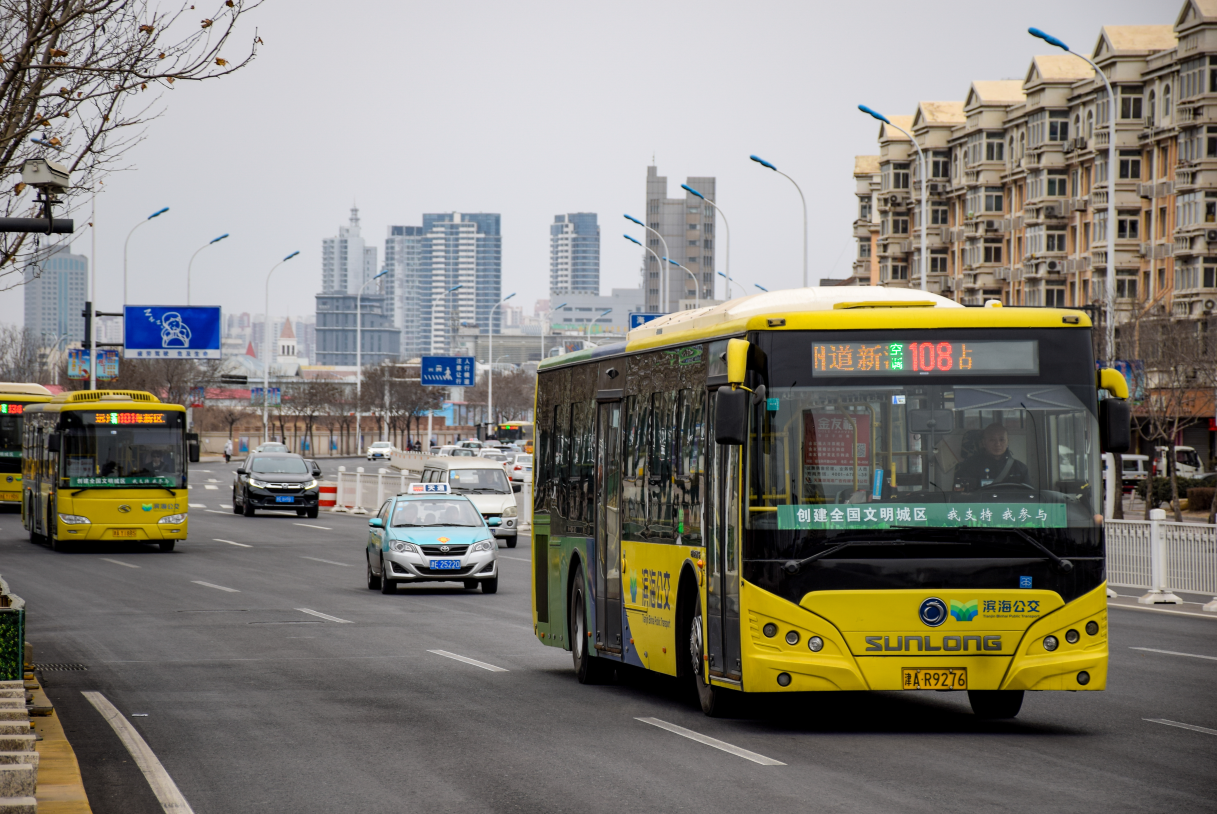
(131, 532)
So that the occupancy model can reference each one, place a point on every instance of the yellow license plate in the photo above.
(940, 678)
(122, 532)
(14, 496)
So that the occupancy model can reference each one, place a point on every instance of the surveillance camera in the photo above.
(46, 175)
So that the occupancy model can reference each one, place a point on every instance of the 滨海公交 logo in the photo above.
(964, 611)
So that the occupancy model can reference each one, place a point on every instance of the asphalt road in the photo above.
(253, 704)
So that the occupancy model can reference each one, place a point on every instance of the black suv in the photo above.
(276, 480)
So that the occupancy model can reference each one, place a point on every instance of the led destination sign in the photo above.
(971, 358)
(125, 418)
(12, 409)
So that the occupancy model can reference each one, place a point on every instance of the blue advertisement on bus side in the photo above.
(171, 332)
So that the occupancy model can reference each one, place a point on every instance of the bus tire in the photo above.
(588, 668)
(716, 702)
(31, 519)
(167, 545)
(51, 536)
(995, 704)
(511, 541)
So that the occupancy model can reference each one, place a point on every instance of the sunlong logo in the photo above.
(949, 644)
(124, 508)
(964, 611)
(933, 612)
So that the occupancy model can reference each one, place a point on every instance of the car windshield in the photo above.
(446, 512)
(478, 480)
(495, 457)
(1187, 457)
(464, 452)
(279, 466)
(524, 459)
(380, 444)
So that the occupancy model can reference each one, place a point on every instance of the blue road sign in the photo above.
(448, 371)
(637, 320)
(171, 332)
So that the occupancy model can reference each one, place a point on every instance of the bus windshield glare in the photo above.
(129, 448)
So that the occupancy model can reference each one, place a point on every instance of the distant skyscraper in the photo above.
(574, 254)
(408, 287)
(346, 262)
(687, 224)
(56, 285)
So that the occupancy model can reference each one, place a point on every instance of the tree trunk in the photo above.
(1173, 468)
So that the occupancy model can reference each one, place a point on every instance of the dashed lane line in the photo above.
(505, 557)
(197, 505)
(166, 791)
(210, 486)
(326, 616)
(217, 587)
(715, 742)
(1173, 653)
(327, 562)
(1192, 727)
(232, 542)
(468, 660)
(310, 526)
(119, 562)
(213, 511)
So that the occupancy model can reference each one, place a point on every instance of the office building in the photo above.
(574, 254)
(346, 262)
(56, 285)
(687, 225)
(336, 330)
(407, 287)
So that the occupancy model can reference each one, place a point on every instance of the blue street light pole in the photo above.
(925, 186)
(663, 269)
(664, 305)
(726, 232)
(126, 242)
(696, 285)
(490, 371)
(736, 283)
(765, 163)
(761, 287)
(1110, 287)
(191, 263)
(442, 297)
(550, 315)
(266, 350)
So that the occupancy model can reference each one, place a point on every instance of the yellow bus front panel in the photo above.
(125, 514)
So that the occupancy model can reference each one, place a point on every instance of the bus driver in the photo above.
(992, 463)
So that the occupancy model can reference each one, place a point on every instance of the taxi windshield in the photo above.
(479, 480)
(445, 512)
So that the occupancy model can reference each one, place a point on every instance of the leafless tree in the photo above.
(307, 400)
(21, 357)
(86, 77)
(513, 395)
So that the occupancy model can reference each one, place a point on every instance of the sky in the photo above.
(536, 109)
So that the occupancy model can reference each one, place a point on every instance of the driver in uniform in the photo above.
(992, 463)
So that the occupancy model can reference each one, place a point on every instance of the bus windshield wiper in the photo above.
(1060, 562)
(793, 566)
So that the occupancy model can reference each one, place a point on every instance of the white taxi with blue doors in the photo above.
(430, 534)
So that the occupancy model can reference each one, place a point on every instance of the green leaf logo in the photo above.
(147, 507)
(633, 587)
(964, 611)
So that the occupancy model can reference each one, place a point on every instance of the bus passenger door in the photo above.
(608, 527)
(722, 557)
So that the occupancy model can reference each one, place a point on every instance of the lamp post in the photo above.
(664, 305)
(442, 297)
(266, 350)
(191, 263)
(696, 285)
(765, 163)
(925, 252)
(761, 287)
(737, 284)
(660, 260)
(93, 292)
(605, 312)
(359, 358)
(155, 214)
(726, 230)
(490, 371)
(549, 314)
(1112, 168)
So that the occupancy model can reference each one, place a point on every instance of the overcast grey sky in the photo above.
(538, 108)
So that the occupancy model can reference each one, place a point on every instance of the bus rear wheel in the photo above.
(588, 668)
(995, 704)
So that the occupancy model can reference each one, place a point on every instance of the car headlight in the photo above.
(311, 484)
(510, 511)
(261, 484)
(484, 545)
(74, 519)
(173, 518)
(403, 548)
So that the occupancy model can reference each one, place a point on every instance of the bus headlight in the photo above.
(484, 545)
(74, 520)
(173, 518)
(510, 511)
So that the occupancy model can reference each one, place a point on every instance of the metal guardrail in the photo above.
(1162, 557)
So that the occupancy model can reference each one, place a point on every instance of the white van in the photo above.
(1135, 469)
(1188, 462)
(485, 483)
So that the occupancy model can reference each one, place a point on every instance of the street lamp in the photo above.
(925, 252)
(765, 163)
(1109, 314)
(726, 230)
(442, 297)
(548, 313)
(662, 275)
(191, 263)
(155, 214)
(736, 283)
(605, 312)
(266, 350)
(696, 285)
(664, 305)
(761, 287)
(359, 357)
(490, 372)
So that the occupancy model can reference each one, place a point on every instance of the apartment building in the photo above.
(574, 254)
(1017, 180)
(687, 226)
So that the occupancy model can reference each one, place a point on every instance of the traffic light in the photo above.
(88, 315)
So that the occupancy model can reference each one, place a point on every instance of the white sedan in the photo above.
(520, 470)
(380, 449)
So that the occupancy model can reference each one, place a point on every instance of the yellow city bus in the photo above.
(831, 489)
(14, 398)
(104, 465)
(516, 432)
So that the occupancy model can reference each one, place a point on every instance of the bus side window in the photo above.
(689, 485)
(581, 470)
(662, 467)
(561, 458)
(637, 410)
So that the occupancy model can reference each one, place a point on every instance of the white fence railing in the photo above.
(362, 492)
(1162, 557)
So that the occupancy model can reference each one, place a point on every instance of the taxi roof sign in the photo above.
(429, 489)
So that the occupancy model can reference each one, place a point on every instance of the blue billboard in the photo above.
(78, 364)
(638, 320)
(171, 332)
(447, 371)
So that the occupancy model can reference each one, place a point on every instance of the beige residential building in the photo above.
(1018, 180)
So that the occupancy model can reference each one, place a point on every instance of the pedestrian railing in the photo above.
(361, 492)
(1162, 557)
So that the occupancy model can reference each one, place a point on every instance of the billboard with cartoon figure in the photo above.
(171, 332)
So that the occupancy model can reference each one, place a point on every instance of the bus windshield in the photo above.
(142, 448)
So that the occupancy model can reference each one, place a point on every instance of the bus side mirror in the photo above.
(731, 416)
(737, 360)
(52, 443)
(1115, 425)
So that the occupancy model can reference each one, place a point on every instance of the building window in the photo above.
(938, 264)
(1130, 102)
(864, 208)
(1128, 227)
(940, 166)
(1058, 186)
(1090, 124)
(900, 176)
(992, 252)
(993, 199)
(1130, 165)
(863, 249)
(1150, 112)
(900, 226)
(938, 216)
(900, 271)
(1126, 287)
(994, 147)
(1054, 297)
(1058, 125)
(1166, 101)
(692, 242)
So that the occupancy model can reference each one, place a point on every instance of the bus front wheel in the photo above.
(716, 702)
(995, 704)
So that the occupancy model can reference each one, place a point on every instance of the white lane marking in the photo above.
(505, 557)
(162, 784)
(222, 506)
(212, 480)
(1161, 610)
(213, 511)
(320, 615)
(467, 660)
(308, 526)
(230, 542)
(210, 486)
(204, 471)
(1173, 653)
(708, 741)
(197, 505)
(328, 562)
(120, 562)
(1192, 727)
(217, 587)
